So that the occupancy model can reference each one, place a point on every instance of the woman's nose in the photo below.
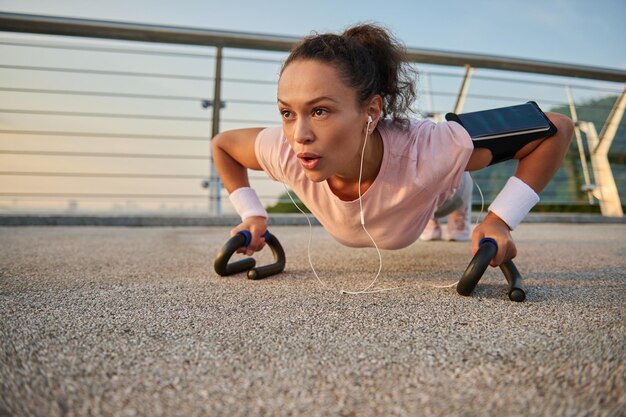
(302, 133)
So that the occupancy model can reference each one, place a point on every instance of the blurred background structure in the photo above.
(101, 117)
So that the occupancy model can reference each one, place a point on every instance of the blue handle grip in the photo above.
(488, 240)
(248, 236)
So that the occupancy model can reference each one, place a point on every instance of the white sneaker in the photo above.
(460, 225)
(432, 231)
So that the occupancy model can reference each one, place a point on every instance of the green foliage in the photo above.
(597, 111)
(565, 188)
(285, 205)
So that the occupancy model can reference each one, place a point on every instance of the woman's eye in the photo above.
(320, 112)
(286, 114)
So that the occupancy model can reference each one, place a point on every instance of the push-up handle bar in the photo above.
(242, 239)
(478, 265)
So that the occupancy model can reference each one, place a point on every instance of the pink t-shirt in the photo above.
(421, 167)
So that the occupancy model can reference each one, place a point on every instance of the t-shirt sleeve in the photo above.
(446, 153)
(270, 149)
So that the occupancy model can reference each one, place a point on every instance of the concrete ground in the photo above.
(119, 321)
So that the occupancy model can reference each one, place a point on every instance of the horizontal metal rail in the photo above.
(239, 101)
(105, 195)
(101, 175)
(91, 48)
(103, 155)
(107, 115)
(614, 90)
(114, 175)
(246, 101)
(15, 22)
(108, 72)
(102, 94)
(118, 195)
(134, 74)
(105, 135)
(134, 116)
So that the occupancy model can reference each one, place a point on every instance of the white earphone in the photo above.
(369, 119)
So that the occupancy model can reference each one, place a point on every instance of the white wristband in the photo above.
(247, 203)
(514, 202)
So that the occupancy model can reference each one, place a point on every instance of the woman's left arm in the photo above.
(539, 160)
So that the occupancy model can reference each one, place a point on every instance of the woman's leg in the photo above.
(458, 208)
(459, 226)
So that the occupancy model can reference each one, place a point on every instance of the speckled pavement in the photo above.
(121, 321)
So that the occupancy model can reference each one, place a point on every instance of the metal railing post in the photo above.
(460, 100)
(606, 189)
(215, 183)
(579, 142)
(611, 206)
(612, 123)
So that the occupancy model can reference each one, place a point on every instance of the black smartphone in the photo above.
(503, 122)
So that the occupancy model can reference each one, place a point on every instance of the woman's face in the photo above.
(321, 119)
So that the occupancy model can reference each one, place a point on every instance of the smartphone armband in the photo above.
(505, 130)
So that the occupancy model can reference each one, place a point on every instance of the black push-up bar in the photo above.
(478, 265)
(241, 240)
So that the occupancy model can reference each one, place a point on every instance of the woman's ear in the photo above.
(375, 108)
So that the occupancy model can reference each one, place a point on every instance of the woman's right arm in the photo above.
(233, 154)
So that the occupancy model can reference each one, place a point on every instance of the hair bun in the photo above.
(370, 60)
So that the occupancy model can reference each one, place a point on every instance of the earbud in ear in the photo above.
(369, 119)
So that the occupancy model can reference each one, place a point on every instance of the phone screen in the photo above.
(505, 121)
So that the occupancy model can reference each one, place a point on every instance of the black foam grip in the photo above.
(476, 268)
(514, 278)
(224, 268)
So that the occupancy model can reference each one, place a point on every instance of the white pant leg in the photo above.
(460, 200)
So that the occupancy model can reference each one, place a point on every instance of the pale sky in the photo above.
(571, 31)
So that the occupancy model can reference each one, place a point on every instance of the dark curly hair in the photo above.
(370, 60)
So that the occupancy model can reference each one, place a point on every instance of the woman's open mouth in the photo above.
(309, 160)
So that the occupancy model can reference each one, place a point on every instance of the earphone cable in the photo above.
(380, 258)
(308, 249)
(367, 290)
